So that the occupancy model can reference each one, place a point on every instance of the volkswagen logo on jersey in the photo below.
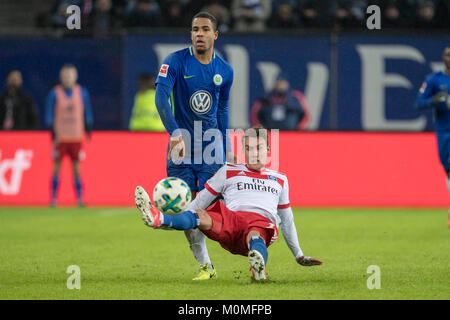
(201, 101)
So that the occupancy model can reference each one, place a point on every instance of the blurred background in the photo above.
(323, 48)
(339, 77)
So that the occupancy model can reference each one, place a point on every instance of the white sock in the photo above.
(197, 244)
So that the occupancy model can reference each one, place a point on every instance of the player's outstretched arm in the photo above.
(202, 201)
(290, 236)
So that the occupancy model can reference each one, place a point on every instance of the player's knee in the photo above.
(205, 220)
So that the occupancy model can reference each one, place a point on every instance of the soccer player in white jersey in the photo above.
(255, 202)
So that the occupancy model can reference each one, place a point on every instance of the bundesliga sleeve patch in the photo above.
(163, 70)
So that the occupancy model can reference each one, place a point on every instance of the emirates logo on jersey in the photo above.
(201, 102)
(256, 185)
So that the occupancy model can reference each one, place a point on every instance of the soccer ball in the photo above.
(172, 195)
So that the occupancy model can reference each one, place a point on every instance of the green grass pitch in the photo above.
(120, 258)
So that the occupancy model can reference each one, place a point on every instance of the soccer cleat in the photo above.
(150, 214)
(206, 273)
(257, 265)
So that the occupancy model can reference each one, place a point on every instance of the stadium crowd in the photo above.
(106, 16)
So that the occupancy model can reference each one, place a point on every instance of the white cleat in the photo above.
(257, 265)
(150, 215)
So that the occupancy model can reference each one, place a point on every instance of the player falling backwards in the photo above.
(434, 93)
(255, 201)
(197, 83)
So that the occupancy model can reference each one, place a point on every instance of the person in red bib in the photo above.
(69, 117)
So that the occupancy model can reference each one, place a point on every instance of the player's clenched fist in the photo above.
(176, 149)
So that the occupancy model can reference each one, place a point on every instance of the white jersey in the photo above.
(244, 189)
